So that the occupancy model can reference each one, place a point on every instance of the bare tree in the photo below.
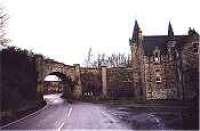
(3, 20)
(89, 60)
(114, 60)
(117, 60)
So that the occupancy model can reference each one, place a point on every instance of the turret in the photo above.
(170, 32)
(171, 37)
(136, 39)
(171, 42)
(137, 34)
(137, 60)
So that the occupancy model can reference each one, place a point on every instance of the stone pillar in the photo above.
(77, 92)
(104, 81)
(39, 63)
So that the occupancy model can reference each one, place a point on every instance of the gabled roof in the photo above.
(160, 41)
(151, 42)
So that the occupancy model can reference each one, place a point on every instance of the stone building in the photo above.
(165, 66)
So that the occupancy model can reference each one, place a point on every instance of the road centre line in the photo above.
(70, 111)
(61, 126)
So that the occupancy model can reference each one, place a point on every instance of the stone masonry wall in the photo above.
(120, 82)
(91, 81)
(190, 63)
(138, 69)
(160, 78)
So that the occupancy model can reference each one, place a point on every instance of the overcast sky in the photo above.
(65, 29)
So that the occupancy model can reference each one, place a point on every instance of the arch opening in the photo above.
(57, 82)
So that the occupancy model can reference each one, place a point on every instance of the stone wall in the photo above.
(160, 78)
(190, 67)
(120, 82)
(137, 59)
(91, 81)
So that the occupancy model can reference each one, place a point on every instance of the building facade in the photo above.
(165, 66)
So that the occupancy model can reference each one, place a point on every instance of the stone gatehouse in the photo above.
(162, 67)
(161, 64)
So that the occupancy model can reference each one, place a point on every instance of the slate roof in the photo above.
(151, 42)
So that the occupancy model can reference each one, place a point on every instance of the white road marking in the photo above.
(70, 111)
(61, 126)
(68, 115)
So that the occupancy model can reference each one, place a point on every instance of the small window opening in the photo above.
(158, 79)
(195, 47)
(157, 55)
(157, 70)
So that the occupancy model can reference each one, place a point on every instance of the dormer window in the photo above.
(157, 55)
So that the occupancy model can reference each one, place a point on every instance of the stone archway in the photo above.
(72, 73)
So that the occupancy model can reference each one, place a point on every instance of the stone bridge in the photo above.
(70, 76)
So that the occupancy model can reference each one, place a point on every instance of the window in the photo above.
(156, 59)
(158, 78)
(157, 55)
(195, 47)
(157, 70)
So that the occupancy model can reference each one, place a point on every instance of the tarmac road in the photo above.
(60, 115)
